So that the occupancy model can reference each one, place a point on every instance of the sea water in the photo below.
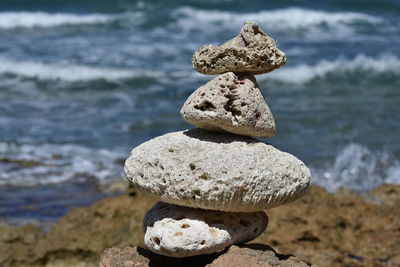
(83, 82)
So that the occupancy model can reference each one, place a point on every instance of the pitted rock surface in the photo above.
(252, 51)
(231, 103)
(178, 231)
(202, 169)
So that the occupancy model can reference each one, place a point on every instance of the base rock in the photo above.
(249, 255)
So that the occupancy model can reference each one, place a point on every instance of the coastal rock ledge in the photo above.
(248, 255)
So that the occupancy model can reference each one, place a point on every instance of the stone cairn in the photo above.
(215, 182)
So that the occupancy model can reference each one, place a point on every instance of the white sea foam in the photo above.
(358, 168)
(71, 73)
(298, 74)
(76, 73)
(11, 20)
(304, 73)
(291, 18)
(58, 163)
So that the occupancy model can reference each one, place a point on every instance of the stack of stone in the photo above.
(215, 181)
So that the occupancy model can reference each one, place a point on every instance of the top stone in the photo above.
(252, 51)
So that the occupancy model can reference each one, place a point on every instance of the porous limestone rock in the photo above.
(208, 170)
(178, 231)
(252, 51)
(231, 103)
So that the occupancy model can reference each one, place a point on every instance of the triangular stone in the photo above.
(252, 51)
(230, 103)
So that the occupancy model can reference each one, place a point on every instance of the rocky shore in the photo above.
(342, 229)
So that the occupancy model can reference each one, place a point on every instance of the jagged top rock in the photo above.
(252, 51)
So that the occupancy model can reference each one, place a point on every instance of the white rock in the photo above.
(231, 103)
(252, 51)
(178, 231)
(202, 169)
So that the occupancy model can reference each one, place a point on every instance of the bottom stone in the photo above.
(178, 231)
(243, 256)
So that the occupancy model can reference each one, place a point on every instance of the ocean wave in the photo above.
(11, 20)
(82, 73)
(31, 164)
(305, 73)
(298, 74)
(70, 73)
(358, 168)
(291, 18)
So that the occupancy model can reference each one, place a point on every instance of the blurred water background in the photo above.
(83, 82)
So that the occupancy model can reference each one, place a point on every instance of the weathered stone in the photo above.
(231, 103)
(123, 257)
(393, 262)
(202, 169)
(256, 255)
(178, 231)
(252, 51)
(249, 255)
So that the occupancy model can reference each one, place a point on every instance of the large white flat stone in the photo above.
(203, 169)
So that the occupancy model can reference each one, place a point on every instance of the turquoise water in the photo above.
(83, 82)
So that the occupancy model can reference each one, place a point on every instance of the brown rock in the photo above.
(387, 194)
(341, 230)
(17, 243)
(139, 257)
(79, 237)
(253, 255)
(393, 262)
(125, 257)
